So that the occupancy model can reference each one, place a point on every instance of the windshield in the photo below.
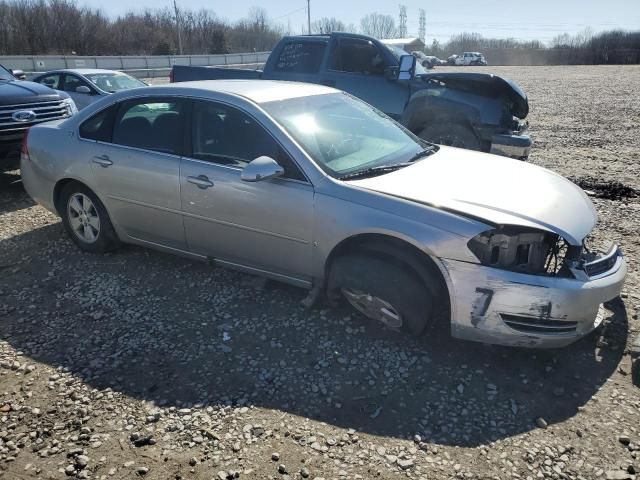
(5, 74)
(398, 52)
(344, 135)
(114, 82)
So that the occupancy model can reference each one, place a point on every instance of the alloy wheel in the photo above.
(83, 217)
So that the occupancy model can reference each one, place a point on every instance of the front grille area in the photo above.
(44, 111)
(537, 325)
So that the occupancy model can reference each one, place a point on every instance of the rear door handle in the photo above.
(102, 160)
(201, 181)
(328, 83)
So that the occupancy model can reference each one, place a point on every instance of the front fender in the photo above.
(436, 233)
(484, 85)
(484, 102)
(431, 105)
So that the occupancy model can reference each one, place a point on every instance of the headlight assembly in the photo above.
(71, 106)
(520, 249)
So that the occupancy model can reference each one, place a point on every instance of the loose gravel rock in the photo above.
(139, 363)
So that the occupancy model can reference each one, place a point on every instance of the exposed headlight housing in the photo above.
(70, 106)
(523, 250)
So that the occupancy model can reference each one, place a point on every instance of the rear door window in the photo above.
(99, 126)
(300, 57)
(151, 124)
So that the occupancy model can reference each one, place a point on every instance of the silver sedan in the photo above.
(308, 185)
(88, 85)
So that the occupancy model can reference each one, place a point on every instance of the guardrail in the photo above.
(149, 66)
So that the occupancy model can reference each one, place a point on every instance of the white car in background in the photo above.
(469, 59)
(87, 85)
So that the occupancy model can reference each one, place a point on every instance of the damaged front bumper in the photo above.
(516, 146)
(515, 309)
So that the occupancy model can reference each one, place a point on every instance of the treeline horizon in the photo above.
(64, 27)
(586, 47)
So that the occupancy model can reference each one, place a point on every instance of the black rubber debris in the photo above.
(610, 190)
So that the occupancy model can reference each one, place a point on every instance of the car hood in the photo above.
(485, 84)
(492, 189)
(14, 92)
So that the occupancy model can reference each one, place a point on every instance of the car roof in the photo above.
(81, 71)
(258, 91)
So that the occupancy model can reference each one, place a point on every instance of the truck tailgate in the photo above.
(184, 73)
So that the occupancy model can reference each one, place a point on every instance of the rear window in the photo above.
(300, 57)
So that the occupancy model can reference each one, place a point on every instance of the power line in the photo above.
(290, 13)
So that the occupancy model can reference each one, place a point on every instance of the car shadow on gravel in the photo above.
(12, 194)
(172, 332)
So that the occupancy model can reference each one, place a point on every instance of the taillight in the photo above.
(24, 150)
(171, 76)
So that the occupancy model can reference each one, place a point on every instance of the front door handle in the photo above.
(328, 83)
(201, 181)
(102, 160)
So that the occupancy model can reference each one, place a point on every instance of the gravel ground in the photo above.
(139, 364)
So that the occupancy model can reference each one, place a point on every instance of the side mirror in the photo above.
(262, 168)
(407, 67)
(83, 89)
(19, 74)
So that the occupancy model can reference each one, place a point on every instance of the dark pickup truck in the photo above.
(477, 111)
(23, 104)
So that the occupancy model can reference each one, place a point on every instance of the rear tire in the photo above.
(382, 291)
(451, 135)
(86, 220)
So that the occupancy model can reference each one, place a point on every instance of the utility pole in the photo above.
(402, 30)
(308, 16)
(175, 7)
(422, 29)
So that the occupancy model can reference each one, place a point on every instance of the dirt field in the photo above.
(142, 364)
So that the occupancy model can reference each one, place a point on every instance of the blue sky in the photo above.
(523, 19)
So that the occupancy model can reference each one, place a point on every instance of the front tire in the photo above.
(451, 135)
(86, 220)
(382, 291)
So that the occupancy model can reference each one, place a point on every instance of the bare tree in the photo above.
(378, 25)
(45, 27)
(255, 33)
(327, 25)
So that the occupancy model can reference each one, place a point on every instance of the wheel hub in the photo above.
(374, 307)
